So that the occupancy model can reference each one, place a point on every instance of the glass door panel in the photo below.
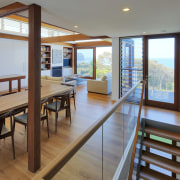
(85, 62)
(161, 61)
(103, 61)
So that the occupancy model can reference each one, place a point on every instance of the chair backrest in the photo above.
(46, 100)
(64, 98)
(3, 117)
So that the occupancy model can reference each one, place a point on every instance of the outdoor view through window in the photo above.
(161, 69)
(103, 62)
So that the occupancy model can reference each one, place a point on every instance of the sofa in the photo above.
(103, 86)
(45, 80)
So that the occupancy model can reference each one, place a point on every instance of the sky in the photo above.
(101, 50)
(161, 48)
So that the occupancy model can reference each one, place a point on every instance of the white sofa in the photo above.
(103, 86)
(56, 80)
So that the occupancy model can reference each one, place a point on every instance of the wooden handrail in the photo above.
(136, 134)
(55, 165)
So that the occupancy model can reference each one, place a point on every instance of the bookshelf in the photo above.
(45, 57)
(67, 56)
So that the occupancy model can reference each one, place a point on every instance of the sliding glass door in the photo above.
(160, 72)
(85, 62)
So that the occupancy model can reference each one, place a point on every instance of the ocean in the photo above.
(168, 62)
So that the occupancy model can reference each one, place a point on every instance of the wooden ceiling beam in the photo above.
(24, 38)
(93, 44)
(12, 8)
(74, 37)
(16, 37)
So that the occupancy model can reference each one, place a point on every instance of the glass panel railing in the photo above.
(86, 163)
(113, 142)
(104, 150)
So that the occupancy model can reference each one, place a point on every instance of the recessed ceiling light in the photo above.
(76, 26)
(125, 9)
(144, 32)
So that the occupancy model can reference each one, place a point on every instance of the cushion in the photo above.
(43, 77)
(54, 78)
(104, 78)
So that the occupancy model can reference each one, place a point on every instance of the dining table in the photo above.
(20, 99)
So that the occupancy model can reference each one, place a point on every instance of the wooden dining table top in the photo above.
(20, 99)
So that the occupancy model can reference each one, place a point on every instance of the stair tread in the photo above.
(163, 133)
(162, 146)
(149, 174)
(161, 162)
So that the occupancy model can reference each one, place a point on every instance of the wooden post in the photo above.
(10, 86)
(34, 88)
(19, 85)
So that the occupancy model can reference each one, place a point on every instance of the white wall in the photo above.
(13, 60)
(115, 68)
(66, 71)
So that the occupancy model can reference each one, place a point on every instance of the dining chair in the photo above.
(4, 131)
(72, 94)
(61, 102)
(23, 118)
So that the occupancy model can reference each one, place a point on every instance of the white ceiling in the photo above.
(105, 17)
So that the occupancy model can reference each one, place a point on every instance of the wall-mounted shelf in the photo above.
(45, 57)
(67, 57)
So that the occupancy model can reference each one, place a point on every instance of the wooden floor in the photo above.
(161, 115)
(90, 107)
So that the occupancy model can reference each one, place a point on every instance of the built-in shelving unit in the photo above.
(67, 57)
(45, 57)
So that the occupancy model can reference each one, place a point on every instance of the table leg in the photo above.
(1, 125)
(10, 86)
(19, 85)
(67, 110)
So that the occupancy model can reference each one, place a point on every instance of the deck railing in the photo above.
(104, 150)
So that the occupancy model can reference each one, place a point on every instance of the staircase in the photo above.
(152, 157)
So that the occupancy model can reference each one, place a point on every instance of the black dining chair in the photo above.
(23, 118)
(62, 102)
(4, 131)
(72, 94)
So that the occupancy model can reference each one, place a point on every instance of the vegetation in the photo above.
(160, 77)
(103, 66)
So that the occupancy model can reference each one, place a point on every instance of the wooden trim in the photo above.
(64, 44)
(178, 72)
(146, 67)
(75, 60)
(12, 8)
(24, 38)
(163, 35)
(56, 164)
(120, 78)
(174, 157)
(157, 103)
(92, 44)
(136, 134)
(15, 37)
(73, 37)
(94, 63)
(34, 93)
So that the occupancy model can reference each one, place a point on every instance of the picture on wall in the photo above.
(57, 56)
